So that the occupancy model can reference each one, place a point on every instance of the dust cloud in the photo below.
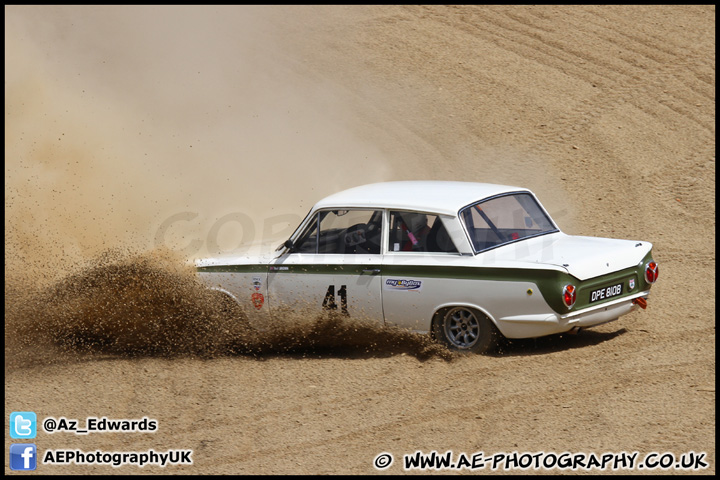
(132, 130)
(119, 119)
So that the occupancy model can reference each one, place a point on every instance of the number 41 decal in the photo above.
(329, 302)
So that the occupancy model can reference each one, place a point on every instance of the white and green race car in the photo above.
(465, 262)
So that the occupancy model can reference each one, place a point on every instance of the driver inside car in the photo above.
(415, 227)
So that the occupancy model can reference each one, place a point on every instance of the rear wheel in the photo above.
(466, 329)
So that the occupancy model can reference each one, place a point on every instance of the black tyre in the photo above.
(466, 330)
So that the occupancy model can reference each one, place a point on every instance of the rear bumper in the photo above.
(605, 312)
(549, 324)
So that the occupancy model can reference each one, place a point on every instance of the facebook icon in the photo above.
(23, 456)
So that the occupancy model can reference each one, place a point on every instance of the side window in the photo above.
(342, 231)
(418, 232)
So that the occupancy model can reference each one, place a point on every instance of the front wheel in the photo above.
(465, 329)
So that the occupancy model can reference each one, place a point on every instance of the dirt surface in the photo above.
(120, 118)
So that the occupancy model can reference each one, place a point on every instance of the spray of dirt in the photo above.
(152, 305)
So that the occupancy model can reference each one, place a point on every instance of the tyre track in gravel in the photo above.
(654, 72)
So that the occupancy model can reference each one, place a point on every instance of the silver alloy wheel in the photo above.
(461, 327)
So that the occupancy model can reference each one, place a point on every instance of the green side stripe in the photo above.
(233, 269)
(428, 271)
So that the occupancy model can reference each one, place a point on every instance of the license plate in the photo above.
(606, 292)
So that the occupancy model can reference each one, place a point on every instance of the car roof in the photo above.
(443, 197)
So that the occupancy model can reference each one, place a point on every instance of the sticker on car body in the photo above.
(258, 299)
(403, 284)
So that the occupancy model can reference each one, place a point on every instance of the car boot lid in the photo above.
(582, 257)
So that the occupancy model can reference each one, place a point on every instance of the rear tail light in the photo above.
(569, 295)
(651, 272)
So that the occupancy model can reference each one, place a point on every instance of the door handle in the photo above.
(371, 271)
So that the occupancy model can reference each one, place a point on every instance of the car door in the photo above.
(334, 264)
(419, 247)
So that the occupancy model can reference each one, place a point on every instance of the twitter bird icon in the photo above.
(23, 424)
